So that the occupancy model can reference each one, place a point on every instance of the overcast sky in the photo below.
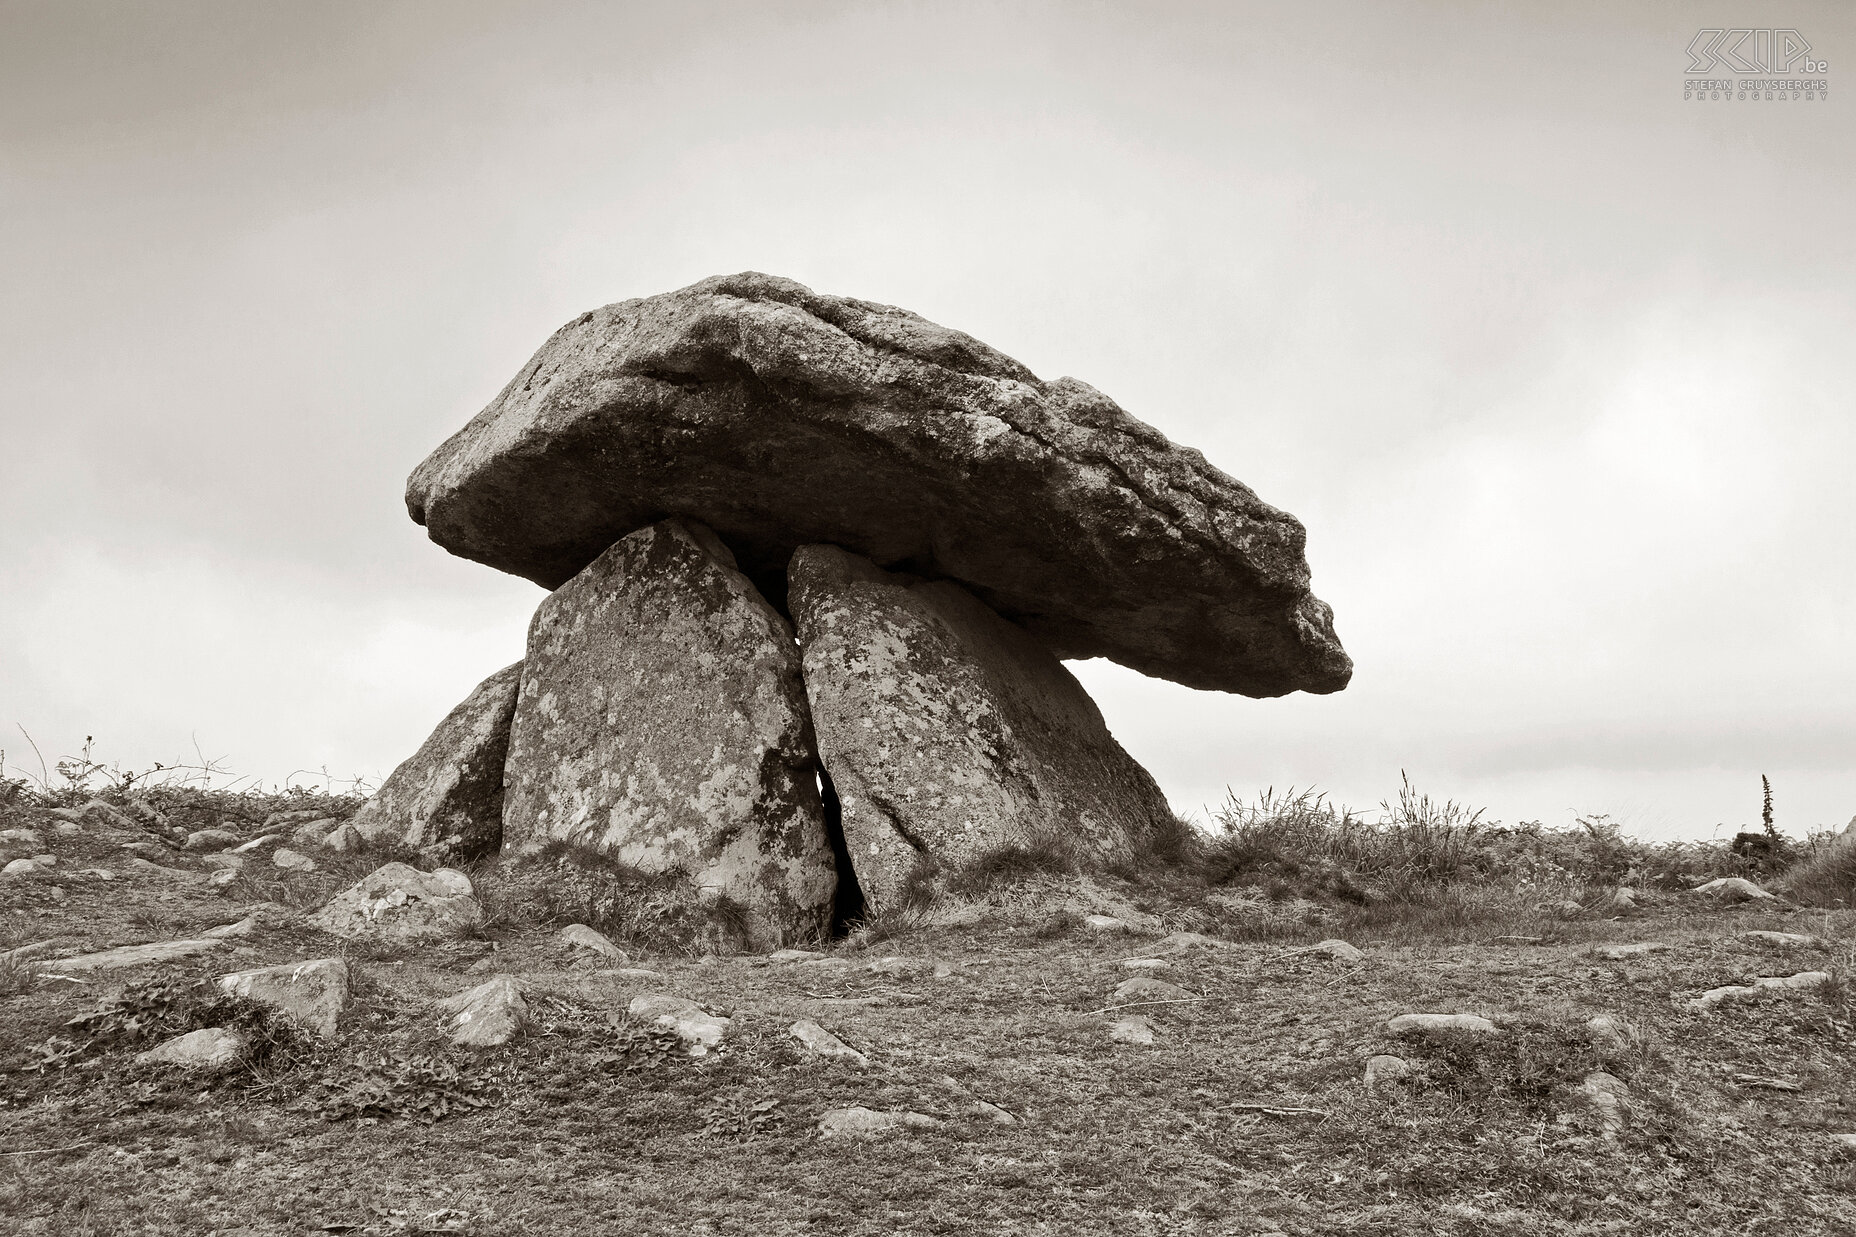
(1555, 365)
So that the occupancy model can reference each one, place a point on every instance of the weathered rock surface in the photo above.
(1147, 988)
(819, 1042)
(292, 860)
(662, 722)
(1609, 1101)
(585, 940)
(1634, 949)
(1784, 940)
(700, 1031)
(210, 840)
(1385, 1068)
(211, 1050)
(1440, 1024)
(860, 1122)
(949, 732)
(1732, 889)
(1804, 981)
(1134, 1029)
(488, 1015)
(782, 417)
(134, 955)
(312, 994)
(396, 902)
(448, 796)
(1339, 950)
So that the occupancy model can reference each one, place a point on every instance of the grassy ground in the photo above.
(1247, 1116)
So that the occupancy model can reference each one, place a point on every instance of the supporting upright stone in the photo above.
(949, 731)
(661, 722)
(449, 795)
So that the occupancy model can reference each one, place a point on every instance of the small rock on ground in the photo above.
(134, 955)
(1107, 923)
(699, 1030)
(1339, 950)
(1133, 1029)
(1145, 988)
(292, 860)
(1804, 981)
(1732, 889)
(210, 839)
(310, 833)
(1609, 1100)
(312, 994)
(1147, 964)
(899, 966)
(780, 956)
(400, 903)
(1784, 940)
(488, 1015)
(1608, 1031)
(819, 1042)
(1440, 1024)
(1178, 942)
(1847, 1141)
(261, 842)
(580, 937)
(212, 1049)
(1385, 1068)
(1632, 950)
(869, 1123)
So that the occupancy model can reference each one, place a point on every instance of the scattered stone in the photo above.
(1635, 949)
(135, 955)
(1609, 1100)
(869, 1123)
(1133, 1029)
(65, 829)
(400, 903)
(210, 840)
(153, 852)
(903, 967)
(292, 860)
(46, 861)
(1146, 988)
(448, 796)
(1147, 964)
(102, 874)
(1385, 1068)
(1440, 1024)
(1608, 1031)
(1105, 924)
(210, 1050)
(223, 878)
(260, 843)
(701, 1031)
(819, 1042)
(662, 721)
(29, 837)
(231, 931)
(950, 733)
(344, 838)
(1622, 901)
(308, 834)
(313, 994)
(1846, 1141)
(225, 861)
(1804, 981)
(1784, 940)
(1179, 942)
(139, 864)
(1340, 951)
(781, 417)
(578, 936)
(19, 867)
(1732, 889)
(779, 956)
(488, 1015)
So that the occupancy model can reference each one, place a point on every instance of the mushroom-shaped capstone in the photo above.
(782, 417)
